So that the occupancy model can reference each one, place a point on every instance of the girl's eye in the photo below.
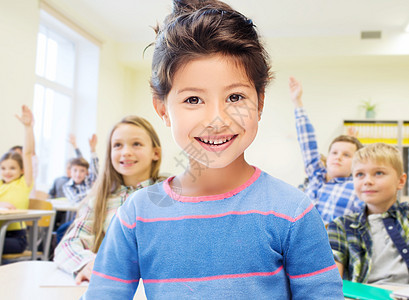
(379, 173)
(358, 175)
(193, 100)
(137, 144)
(116, 145)
(234, 98)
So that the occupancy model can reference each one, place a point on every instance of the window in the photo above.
(65, 97)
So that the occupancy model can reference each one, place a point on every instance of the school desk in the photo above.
(42, 280)
(8, 217)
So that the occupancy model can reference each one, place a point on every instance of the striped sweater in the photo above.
(263, 240)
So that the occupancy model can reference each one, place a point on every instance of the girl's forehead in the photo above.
(129, 131)
(9, 162)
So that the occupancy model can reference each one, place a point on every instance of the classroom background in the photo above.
(338, 70)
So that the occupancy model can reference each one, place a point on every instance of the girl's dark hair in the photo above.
(198, 28)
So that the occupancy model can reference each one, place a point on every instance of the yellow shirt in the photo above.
(17, 193)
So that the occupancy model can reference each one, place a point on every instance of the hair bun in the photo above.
(187, 6)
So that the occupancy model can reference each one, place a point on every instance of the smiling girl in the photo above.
(224, 229)
(132, 162)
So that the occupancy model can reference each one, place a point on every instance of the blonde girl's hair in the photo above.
(110, 180)
(380, 153)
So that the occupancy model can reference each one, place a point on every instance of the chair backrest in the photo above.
(43, 205)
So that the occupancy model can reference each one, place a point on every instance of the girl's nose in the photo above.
(218, 117)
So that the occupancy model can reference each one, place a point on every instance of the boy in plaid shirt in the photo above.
(330, 187)
(371, 246)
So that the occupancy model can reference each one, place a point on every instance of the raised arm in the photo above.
(27, 120)
(93, 168)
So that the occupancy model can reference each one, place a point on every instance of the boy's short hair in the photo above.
(79, 161)
(346, 138)
(380, 153)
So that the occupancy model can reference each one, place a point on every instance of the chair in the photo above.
(45, 228)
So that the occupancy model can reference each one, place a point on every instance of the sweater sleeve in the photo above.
(309, 262)
(116, 270)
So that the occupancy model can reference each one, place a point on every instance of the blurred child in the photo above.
(223, 229)
(132, 162)
(329, 184)
(56, 190)
(83, 175)
(371, 246)
(16, 183)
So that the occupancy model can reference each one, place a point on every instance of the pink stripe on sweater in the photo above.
(229, 194)
(313, 273)
(217, 277)
(114, 278)
(265, 213)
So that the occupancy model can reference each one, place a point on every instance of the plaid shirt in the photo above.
(74, 250)
(333, 198)
(76, 192)
(351, 241)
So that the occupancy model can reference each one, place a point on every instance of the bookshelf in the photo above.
(392, 132)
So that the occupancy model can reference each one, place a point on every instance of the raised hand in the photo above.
(93, 142)
(72, 140)
(295, 92)
(26, 117)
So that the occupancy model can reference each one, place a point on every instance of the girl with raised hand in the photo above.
(223, 229)
(16, 183)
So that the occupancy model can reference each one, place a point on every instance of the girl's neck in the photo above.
(133, 182)
(199, 180)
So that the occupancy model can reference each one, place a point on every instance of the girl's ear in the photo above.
(156, 154)
(161, 110)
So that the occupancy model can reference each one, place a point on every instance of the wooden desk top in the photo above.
(62, 204)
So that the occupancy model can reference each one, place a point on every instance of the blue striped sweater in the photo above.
(263, 240)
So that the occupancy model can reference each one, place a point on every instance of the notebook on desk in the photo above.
(355, 290)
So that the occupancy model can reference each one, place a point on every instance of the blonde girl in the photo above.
(16, 183)
(132, 162)
(223, 229)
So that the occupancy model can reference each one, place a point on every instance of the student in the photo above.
(16, 183)
(371, 246)
(222, 229)
(132, 162)
(56, 190)
(83, 175)
(330, 187)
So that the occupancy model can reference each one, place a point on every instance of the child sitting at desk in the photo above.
(83, 175)
(371, 246)
(16, 183)
(329, 186)
(56, 190)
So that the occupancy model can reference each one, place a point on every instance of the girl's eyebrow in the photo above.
(189, 89)
(228, 87)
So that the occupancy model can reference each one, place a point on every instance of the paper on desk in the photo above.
(58, 278)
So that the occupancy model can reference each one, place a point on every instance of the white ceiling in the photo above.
(131, 20)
